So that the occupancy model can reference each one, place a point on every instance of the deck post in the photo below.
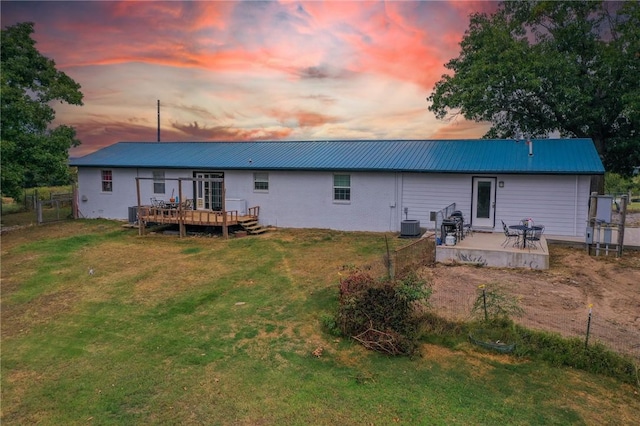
(180, 211)
(225, 229)
(140, 225)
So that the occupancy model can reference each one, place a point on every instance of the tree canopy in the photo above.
(537, 67)
(33, 153)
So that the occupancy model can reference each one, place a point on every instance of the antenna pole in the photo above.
(158, 120)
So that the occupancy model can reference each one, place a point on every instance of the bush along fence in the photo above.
(381, 314)
(586, 327)
(393, 316)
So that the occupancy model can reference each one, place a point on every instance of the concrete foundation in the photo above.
(486, 249)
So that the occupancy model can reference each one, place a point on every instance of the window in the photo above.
(158, 182)
(261, 182)
(107, 181)
(341, 187)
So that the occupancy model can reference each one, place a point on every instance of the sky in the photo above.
(241, 71)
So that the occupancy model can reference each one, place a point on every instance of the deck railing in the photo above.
(164, 215)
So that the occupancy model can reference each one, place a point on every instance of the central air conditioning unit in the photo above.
(133, 215)
(410, 228)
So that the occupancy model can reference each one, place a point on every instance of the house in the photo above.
(361, 185)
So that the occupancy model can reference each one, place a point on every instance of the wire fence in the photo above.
(566, 318)
(456, 304)
(421, 252)
(54, 210)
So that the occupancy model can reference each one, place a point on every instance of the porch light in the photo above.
(501, 184)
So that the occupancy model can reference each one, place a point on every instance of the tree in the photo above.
(537, 67)
(33, 154)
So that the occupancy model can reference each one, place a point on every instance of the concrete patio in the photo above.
(486, 249)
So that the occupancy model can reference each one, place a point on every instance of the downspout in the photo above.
(393, 203)
(400, 198)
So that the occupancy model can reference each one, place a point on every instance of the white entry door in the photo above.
(483, 206)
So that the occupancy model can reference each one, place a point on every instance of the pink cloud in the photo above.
(303, 118)
(361, 37)
(195, 132)
(242, 70)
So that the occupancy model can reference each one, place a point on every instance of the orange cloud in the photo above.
(195, 132)
(242, 70)
(461, 129)
(302, 118)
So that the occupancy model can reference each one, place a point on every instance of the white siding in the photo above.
(295, 199)
(560, 203)
(423, 193)
(304, 199)
(114, 205)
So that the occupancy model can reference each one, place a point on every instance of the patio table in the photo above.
(524, 230)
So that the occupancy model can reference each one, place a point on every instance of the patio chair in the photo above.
(157, 204)
(459, 220)
(510, 236)
(468, 229)
(187, 204)
(527, 221)
(534, 237)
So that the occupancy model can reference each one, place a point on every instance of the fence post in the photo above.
(593, 203)
(484, 302)
(387, 260)
(623, 218)
(74, 201)
(39, 211)
(586, 341)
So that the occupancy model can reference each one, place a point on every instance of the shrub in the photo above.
(494, 303)
(328, 322)
(571, 352)
(383, 315)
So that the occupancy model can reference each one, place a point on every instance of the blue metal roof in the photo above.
(550, 156)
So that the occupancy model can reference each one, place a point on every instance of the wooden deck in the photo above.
(183, 217)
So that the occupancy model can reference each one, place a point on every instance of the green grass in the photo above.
(44, 193)
(214, 331)
(11, 208)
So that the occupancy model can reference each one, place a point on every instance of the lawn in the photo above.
(203, 330)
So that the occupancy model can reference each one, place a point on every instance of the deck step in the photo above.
(261, 230)
(252, 226)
